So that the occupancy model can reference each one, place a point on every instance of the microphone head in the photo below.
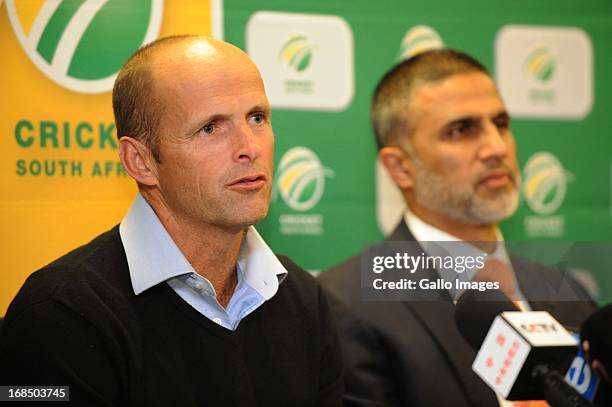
(596, 330)
(475, 312)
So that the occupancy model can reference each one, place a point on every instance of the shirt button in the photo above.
(217, 320)
(198, 286)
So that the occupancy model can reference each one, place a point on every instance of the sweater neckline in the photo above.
(188, 311)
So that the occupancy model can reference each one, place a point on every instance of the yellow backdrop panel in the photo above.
(61, 181)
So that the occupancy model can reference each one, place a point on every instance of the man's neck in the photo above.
(211, 250)
(463, 231)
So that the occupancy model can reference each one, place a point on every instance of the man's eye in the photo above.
(502, 123)
(460, 130)
(257, 118)
(208, 128)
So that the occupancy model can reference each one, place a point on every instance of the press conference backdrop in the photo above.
(61, 179)
(62, 183)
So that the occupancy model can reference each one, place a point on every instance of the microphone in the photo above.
(596, 343)
(520, 353)
(475, 312)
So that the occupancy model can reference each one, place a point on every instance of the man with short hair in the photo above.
(183, 303)
(444, 137)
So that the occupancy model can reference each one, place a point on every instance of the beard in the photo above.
(460, 202)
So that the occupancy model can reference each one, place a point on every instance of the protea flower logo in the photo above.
(301, 178)
(545, 183)
(297, 52)
(419, 39)
(82, 44)
(541, 64)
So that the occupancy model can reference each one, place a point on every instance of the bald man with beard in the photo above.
(444, 136)
(183, 303)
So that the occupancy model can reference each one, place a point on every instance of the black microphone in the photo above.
(596, 340)
(520, 353)
(475, 312)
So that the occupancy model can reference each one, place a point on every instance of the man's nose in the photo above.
(494, 143)
(247, 144)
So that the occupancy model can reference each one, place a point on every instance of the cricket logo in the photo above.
(545, 183)
(419, 39)
(541, 64)
(82, 44)
(297, 52)
(301, 178)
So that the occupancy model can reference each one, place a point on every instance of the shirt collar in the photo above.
(261, 269)
(153, 257)
(424, 232)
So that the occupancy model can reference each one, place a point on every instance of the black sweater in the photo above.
(77, 322)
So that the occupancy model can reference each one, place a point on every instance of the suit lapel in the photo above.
(437, 316)
(538, 284)
(533, 286)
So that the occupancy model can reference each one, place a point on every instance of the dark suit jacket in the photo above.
(411, 353)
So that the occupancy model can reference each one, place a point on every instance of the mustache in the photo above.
(500, 168)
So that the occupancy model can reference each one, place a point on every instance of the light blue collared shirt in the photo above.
(153, 258)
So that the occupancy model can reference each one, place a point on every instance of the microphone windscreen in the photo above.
(475, 312)
(597, 329)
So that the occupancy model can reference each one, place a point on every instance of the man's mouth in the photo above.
(497, 179)
(246, 183)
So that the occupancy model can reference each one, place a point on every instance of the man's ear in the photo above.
(138, 161)
(399, 166)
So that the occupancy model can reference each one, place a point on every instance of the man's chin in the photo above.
(489, 211)
(251, 216)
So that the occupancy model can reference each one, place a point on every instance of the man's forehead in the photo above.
(200, 54)
(462, 94)
(196, 81)
(204, 66)
(209, 81)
